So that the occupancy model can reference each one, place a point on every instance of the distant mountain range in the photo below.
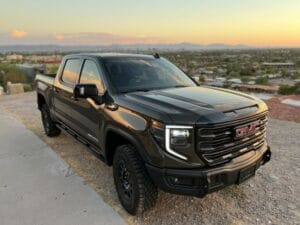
(132, 47)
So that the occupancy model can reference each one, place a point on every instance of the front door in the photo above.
(88, 117)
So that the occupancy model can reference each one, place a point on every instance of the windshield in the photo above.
(134, 74)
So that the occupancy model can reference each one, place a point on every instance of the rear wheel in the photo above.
(135, 189)
(50, 128)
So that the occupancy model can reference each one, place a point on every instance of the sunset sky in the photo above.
(103, 22)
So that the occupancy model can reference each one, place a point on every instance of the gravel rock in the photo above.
(271, 197)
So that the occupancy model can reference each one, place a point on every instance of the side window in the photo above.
(90, 75)
(71, 71)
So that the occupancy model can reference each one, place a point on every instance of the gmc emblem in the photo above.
(247, 129)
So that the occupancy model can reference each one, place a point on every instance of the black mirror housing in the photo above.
(85, 91)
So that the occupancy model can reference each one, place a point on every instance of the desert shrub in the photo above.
(201, 78)
(27, 87)
(297, 91)
(287, 90)
(226, 84)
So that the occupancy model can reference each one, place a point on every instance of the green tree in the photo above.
(11, 73)
(296, 75)
(52, 68)
(287, 89)
(245, 79)
(284, 72)
(248, 71)
(262, 80)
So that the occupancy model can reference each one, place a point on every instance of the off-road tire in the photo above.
(50, 128)
(144, 192)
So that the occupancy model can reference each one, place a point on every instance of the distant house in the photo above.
(217, 82)
(203, 72)
(278, 64)
(297, 81)
(235, 82)
(14, 57)
(196, 78)
(273, 76)
(46, 59)
(221, 71)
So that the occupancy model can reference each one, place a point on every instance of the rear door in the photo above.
(63, 92)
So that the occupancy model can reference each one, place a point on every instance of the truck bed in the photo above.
(44, 85)
(47, 79)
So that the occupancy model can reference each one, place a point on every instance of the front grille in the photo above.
(218, 144)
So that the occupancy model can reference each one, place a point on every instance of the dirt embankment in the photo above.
(281, 111)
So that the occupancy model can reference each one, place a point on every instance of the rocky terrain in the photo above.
(271, 197)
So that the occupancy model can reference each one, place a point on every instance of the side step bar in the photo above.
(82, 140)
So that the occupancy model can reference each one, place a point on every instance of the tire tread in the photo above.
(147, 190)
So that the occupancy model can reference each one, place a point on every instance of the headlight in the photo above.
(179, 137)
(172, 138)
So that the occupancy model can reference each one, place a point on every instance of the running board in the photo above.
(83, 141)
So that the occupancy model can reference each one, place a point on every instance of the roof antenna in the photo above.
(156, 55)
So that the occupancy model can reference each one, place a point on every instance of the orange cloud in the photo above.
(18, 33)
(59, 37)
(101, 38)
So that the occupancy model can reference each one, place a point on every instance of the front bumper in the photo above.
(199, 182)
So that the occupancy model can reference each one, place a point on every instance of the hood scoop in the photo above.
(242, 111)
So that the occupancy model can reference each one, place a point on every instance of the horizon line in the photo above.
(216, 44)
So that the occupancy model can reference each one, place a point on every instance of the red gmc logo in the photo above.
(246, 130)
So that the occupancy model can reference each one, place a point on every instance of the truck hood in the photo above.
(197, 104)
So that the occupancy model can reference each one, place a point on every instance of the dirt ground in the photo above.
(283, 111)
(271, 197)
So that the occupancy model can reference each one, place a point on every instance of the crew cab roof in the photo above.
(111, 55)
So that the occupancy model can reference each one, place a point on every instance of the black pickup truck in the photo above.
(155, 125)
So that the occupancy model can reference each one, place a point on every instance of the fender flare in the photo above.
(126, 135)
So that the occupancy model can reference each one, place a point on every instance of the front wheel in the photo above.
(50, 128)
(135, 189)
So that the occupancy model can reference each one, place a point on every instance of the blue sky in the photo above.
(262, 22)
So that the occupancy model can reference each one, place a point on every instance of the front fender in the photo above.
(129, 136)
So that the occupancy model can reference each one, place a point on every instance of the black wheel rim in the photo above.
(125, 183)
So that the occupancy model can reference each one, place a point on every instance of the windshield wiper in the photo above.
(179, 86)
(136, 90)
(154, 88)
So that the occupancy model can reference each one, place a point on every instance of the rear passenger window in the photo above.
(71, 71)
(90, 75)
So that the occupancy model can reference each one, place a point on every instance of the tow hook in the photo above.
(267, 157)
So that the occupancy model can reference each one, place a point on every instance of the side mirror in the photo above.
(89, 92)
(85, 91)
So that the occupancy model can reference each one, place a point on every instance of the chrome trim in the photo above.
(92, 137)
(168, 136)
